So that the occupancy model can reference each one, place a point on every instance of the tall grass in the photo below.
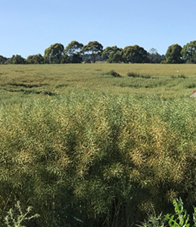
(88, 159)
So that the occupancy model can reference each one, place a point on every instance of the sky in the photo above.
(30, 26)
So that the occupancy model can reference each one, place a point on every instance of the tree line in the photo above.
(76, 52)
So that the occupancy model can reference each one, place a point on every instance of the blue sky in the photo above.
(30, 26)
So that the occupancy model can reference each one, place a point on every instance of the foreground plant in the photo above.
(15, 217)
(154, 221)
(181, 218)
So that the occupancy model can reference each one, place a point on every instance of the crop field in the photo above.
(97, 144)
(172, 81)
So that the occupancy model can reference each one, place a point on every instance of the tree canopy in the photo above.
(173, 54)
(16, 59)
(112, 54)
(3, 59)
(35, 59)
(74, 47)
(76, 52)
(154, 56)
(73, 51)
(94, 48)
(54, 53)
(189, 52)
(135, 54)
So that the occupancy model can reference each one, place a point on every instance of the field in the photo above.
(86, 148)
(165, 80)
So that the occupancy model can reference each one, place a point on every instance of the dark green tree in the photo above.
(35, 59)
(108, 50)
(173, 55)
(93, 48)
(3, 59)
(112, 54)
(154, 56)
(189, 52)
(135, 54)
(65, 59)
(73, 51)
(54, 54)
(16, 59)
(115, 58)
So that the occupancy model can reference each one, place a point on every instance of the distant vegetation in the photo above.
(97, 144)
(76, 52)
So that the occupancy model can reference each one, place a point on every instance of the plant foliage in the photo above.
(88, 159)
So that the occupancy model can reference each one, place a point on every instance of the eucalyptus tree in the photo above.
(16, 59)
(73, 51)
(112, 54)
(54, 53)
(135, 54)
(173, 54)
(154, 56)
(3, 59)
(93, 48)
(189, 52)
(35, 59)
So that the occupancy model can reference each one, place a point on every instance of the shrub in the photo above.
(134, 75)
(182, 76)
(114, 74)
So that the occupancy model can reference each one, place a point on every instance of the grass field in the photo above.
(19, 81)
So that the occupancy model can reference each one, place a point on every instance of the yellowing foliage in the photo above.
(98, 158)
